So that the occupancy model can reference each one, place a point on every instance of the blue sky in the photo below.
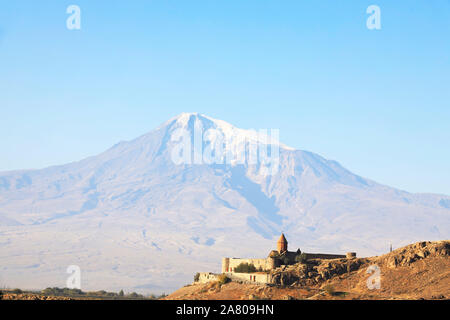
(377, 101)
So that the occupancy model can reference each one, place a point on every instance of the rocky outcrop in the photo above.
(407, 255)
(30, 296)
(316, 270)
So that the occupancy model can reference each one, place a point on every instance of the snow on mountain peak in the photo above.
(194, 138)
(194, 120)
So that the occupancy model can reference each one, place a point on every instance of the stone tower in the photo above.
(225, 265)
(282, 244)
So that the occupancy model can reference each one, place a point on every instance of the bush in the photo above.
(66, 292)
(134, 295)
(329, 289)
(52, 291)
(223, 279)
(245, 268)
(196, 277)
(71, 292)
(301, 258)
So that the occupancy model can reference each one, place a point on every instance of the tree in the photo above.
(223, 279)
(301, 258)
(121, 294)
(245, 268)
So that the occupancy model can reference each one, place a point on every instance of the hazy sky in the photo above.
(377, 101)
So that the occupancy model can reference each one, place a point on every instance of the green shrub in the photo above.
(66, 292)
(71, 292)
(223, 279)
(52, 291)
(301, 258)
(196, 277)
(245, 268)
(329, 289)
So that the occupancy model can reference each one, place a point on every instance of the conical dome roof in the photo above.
(282, 239)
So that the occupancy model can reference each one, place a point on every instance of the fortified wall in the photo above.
(230, 264)
(260, 278)
(205, 277)
(324, 256)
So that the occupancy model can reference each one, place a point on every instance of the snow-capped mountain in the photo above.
(149, 213)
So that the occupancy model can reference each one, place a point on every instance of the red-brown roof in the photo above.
(282, 239)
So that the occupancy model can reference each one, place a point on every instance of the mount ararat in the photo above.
(131, 218)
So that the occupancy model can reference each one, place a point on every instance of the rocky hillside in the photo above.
(417, 271)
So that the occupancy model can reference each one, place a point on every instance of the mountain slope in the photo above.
(135, 217)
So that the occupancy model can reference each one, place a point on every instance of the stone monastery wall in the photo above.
(229, 264)
(205, 277)
(260, 278)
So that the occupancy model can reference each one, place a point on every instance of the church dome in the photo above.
(282, 244)
(282, 239)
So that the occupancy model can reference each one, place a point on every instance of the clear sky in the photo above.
(377, 101)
